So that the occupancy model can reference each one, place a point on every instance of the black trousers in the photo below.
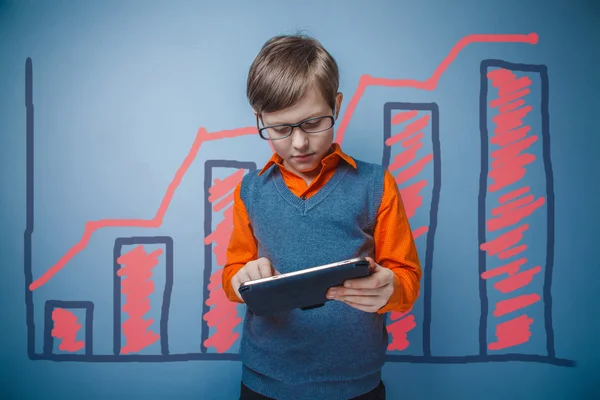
(376, 394)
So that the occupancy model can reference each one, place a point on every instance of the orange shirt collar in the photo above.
(337, 152)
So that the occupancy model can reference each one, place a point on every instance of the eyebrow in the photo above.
(311, 115)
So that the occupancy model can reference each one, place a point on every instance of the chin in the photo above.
(304, 167)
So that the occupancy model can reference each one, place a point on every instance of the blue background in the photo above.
(120, 90)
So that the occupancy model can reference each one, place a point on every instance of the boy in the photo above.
(310, 205)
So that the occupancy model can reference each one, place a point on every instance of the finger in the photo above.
(253, 271)
(360, 300)
(265, 269)
(235, 284)
(243, 276)
(361, 307)
(370, 282)
(272, 269)
(342, 291)
(372, 264)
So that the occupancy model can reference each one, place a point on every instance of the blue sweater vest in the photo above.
(331, 352)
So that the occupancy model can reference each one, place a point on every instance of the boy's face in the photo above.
(302, 152)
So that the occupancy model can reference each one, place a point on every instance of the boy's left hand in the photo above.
(367, 294)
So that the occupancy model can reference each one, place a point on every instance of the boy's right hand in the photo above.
(261, 268)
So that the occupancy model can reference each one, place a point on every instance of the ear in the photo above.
(338, 103)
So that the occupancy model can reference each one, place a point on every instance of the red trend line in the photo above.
(431, 82)
(203, 136)
(92, 226)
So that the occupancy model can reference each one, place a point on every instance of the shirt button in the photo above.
(304, 197)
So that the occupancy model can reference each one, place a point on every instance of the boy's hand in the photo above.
(253, 270)
(367, 294)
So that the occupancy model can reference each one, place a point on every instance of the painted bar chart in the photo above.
(515, 237)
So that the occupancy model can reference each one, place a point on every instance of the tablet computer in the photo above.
(304, 289)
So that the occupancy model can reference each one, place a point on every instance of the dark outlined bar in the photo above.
(433, 109)
(167, 241)
(209, 269)
(51, 305)
(541, 70)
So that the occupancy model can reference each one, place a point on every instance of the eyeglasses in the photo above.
(282, 131)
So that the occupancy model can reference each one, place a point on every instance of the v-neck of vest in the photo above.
(305, 205)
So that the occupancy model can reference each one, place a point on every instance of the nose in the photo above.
(299, 138)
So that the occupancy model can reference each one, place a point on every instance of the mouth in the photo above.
(303, 157)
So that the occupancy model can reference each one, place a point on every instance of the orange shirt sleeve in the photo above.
(395, 248)
(242, 246)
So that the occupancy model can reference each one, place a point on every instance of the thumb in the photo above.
(372, 264)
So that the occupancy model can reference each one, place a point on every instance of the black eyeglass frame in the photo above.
(293, 126)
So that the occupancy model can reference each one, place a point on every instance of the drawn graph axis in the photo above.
(108, 358)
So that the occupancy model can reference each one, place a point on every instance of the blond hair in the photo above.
(285, 68)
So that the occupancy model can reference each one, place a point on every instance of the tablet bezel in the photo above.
(305, 271)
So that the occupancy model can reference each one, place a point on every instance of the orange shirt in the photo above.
(394, 245)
